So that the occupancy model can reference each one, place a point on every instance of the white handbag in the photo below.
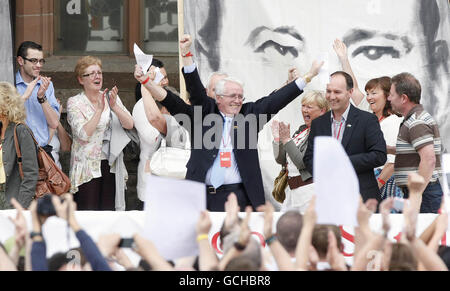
(170, 162)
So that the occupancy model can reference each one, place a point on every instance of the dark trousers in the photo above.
(98, 194)
(216, 202)
(431, 197)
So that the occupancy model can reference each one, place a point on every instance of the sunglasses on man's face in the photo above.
(35, 61)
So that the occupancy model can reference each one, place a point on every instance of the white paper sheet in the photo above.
(172, 209)
(445, 182)
(324, 73)
(142, 59)
(159, 76)
(336, 184)
(7, 228)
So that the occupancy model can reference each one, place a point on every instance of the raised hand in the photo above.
(232, 209)
(139, 75)
(340, 48)
(416, 183)
(385, 210)
(310, 216)
(65, 209)
(365, 211)
(315, 68)
(334, 256)
(20, 224)
(185, 44)
(410, 213)
(293, 75)
(204, 223)
(268, 220)
(108, 244)
(245, 233)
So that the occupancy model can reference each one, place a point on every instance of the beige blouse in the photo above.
(86, 155)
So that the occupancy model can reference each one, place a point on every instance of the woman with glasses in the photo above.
(12, 112)
(95, 116)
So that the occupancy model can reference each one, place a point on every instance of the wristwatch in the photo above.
(34, 234)
(307, 78)
(42, 100)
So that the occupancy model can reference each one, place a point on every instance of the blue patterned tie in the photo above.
(218, 172)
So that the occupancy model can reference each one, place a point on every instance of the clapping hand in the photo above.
(30, 88)
(276, 130)
(44, 86)
(113, 98)
(285, 132)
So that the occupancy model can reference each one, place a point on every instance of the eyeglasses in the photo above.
(92, 75)
(35, 61)
(234, 96)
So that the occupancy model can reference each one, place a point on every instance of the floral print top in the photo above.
(86, 154)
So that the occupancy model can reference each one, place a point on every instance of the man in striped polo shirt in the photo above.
(419, 143)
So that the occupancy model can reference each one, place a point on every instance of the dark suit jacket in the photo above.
(364, 143)
(244, 137)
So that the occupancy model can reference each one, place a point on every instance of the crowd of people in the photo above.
(298, 244)
(395, 150)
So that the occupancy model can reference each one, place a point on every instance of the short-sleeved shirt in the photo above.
(35, 114)
(418, 130)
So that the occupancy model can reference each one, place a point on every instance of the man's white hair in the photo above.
(211, 76)
(220, 86)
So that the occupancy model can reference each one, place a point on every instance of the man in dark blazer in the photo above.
(357, 130)
(243, 176)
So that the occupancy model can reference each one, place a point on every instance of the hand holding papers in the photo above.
(143, 60)
(336, 184)
(159, 76)
(172, 210)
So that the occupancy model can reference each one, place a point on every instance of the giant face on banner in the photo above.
(257, 41)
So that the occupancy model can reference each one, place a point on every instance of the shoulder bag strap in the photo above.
(16, 143)
(18, 152)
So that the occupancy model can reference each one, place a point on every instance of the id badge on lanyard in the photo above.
(225, 159)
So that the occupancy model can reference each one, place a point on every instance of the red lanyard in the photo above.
(381, 119)
(301, 133)
(298, 135)
(339, 133)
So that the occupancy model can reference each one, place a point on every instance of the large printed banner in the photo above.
(257, 41)
(6, 45)
(129, 223)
